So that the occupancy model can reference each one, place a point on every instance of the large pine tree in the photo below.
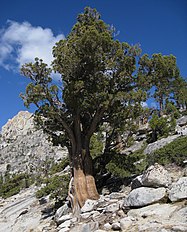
(97, 78)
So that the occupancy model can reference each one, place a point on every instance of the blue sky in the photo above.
(30, 28)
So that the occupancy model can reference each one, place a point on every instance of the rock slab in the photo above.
(144, 196)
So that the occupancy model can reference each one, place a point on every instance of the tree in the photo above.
(159, 72)
(159, 127)
(97, 78)
(180, 92)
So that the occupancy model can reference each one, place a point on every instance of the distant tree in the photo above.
(97, 82)
(180, 92)
(159, 127)
(171, 109)
(159, 72)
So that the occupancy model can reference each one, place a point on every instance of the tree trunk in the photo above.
(83, 186)
(161, 106)
(90, 181)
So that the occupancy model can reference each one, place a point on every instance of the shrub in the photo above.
(159, 126)
(13, 184)
(174, 152)
(127, 165)
(56, 186)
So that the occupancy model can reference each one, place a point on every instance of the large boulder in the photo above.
(145, 196)
(155, 176)
(178, 190)
(164, 211)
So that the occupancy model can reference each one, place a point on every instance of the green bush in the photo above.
(127, 165)
(174, 152)
(160, 127)
(173, 124)
(13, 184)
(56, 186)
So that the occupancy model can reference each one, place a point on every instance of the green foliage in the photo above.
(127, 165)
(98, 82)
(96, 145)
(172, 124)
(172, 110)
(130, 141)
(180, 92)
(13, 184)
(174, 152)
(159, 126)
(56, 186)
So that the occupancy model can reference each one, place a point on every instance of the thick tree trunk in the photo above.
(90, 181)
(83, 186)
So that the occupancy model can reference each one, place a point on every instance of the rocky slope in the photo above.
(158, 203)
(24, 148)
(154, 201)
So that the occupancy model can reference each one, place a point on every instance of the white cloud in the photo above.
(21, 43)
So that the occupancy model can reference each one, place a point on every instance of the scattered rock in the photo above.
(117, 195)
(86, 227)
(116, 226)
(126, 223)
(137, 182)
(63, 210)
(65, 224)
(89, 206)
(66, 229)
(92, 214)
(64, 218)
(112, 208)
(107, 226)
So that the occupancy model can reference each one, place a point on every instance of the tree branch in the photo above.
(97, 117)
